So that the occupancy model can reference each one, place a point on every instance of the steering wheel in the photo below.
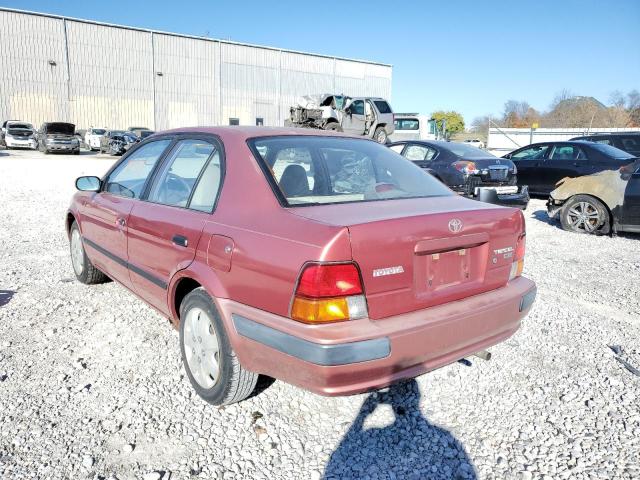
(171, 195)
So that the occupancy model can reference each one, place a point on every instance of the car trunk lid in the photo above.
(417, 253)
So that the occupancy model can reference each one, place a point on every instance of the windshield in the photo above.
(611, 151)
(98, 131)
(406, 124)
(60, 128)
(308, 170)
(146, 133)
(466, 151)
(27, 126)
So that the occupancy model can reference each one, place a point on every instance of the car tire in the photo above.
(232, 383)
(585, 214)
(380, 135)
(333, 126)
(82, 267)
(76, 152)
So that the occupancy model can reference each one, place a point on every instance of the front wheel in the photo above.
(82, 266)
(585, 214)
(211, 364)
(380, 135)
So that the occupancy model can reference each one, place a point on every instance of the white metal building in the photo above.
(504, 140)
(55, 68)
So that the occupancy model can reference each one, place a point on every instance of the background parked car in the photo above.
(92, 137)
(58, 137)
(18, 134)
(476, 142)
(542, 165)
(116, 142)
(599, 203)
(137, 131)
(412, 126)
(145, 133)
(629, 142)
(467, 170)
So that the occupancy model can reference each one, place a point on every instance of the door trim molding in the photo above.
(121, 261)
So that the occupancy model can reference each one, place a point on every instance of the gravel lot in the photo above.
(92, 385)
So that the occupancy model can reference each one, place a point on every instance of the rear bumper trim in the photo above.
(319, 354)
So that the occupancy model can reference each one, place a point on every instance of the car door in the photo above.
(421, 155)
(564, 160)
(164, 230)
(105, 215)
(355, 119)
(529, 161)
(631, 205)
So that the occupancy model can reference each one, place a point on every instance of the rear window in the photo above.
(321, 170)
(382, 106)
(466, 151)
(611, 151)
(406, 124)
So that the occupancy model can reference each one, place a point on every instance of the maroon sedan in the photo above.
(326, 261)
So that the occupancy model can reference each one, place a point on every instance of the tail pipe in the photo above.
(483, 354)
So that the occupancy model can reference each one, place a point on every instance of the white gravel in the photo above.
(92, 386)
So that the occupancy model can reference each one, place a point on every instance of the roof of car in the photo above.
(245, 132)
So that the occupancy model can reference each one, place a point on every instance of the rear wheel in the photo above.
(380, 135)
(82, 266)
(585, 214)
(211, 364)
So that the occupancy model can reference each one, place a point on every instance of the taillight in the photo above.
(329, 293)
(518, 258)
(465, 167)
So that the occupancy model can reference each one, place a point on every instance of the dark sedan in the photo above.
(542, 165)
(467, 170)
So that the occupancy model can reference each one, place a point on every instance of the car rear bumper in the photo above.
(361, 355)
(519, 199)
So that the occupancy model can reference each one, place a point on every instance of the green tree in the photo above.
(454, 122)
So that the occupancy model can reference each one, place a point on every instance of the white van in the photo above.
(413, 126)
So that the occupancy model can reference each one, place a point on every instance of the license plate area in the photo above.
(448, 271)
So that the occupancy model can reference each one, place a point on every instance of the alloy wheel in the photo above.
(584, 216)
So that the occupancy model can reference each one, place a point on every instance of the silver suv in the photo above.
(370, 116)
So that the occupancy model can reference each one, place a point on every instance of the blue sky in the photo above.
(469, 56)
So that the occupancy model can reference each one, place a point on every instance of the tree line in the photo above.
(567, 111)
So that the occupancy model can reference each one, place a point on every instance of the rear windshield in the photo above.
(382, 106)
(406, 124)
(309, 170)
(466, 151)
(610, 151)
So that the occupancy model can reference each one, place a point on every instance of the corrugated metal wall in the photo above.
(108, 76)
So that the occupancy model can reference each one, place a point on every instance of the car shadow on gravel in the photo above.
(411, 447)
(6, 296)
(543, 216)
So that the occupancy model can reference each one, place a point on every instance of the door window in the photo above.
(417, 153)
(531, 153)
(605, 141)
(357, 107)
(180, 173)
(128, 178)
(397, 148)
(567, 152)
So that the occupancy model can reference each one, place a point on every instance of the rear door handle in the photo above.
(180, 240)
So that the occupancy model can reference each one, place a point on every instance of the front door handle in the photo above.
(121, 221)
(180, 240)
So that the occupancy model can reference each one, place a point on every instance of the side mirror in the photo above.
(88, 184)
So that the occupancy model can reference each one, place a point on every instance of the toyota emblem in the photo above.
(455, 225)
